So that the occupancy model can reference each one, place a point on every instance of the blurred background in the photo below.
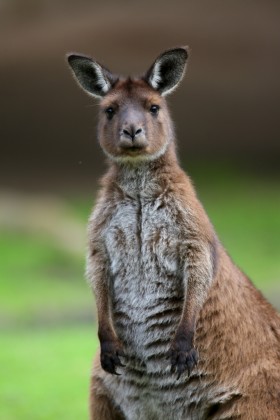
(227, 121)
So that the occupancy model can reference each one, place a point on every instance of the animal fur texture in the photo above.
(183, 332)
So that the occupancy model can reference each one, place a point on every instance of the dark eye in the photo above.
(154, 109)
(109, 112)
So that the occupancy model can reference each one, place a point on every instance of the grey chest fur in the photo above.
(143, 242)
(146, 243)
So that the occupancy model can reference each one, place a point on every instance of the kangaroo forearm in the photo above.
(199, 275)
(200, 268)
(97, 275)
(105, 327)
(200, 272)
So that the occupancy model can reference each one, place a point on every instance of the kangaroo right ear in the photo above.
(168, 70)
(95, 79)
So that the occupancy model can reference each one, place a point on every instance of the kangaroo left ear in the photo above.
(93, 78)
(168, 70)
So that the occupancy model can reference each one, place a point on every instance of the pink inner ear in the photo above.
(155, 77)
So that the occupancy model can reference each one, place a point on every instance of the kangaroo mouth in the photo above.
(132, 148)
(133, 151)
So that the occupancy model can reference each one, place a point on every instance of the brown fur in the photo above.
(225, 350)
(237, 332)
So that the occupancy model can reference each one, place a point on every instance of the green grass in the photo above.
(46, 345)
(39, 280)
(45, 373)
(245, 212)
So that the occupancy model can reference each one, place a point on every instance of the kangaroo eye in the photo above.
(109, 112)
(154, 109)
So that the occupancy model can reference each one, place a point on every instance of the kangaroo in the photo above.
(183, 332)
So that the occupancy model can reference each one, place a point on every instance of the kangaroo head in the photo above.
(134, 122)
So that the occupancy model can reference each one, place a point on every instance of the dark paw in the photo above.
(184, 357)
(111, 351)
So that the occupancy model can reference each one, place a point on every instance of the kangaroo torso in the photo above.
(146, 232)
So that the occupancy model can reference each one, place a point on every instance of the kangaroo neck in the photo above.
(145, 179)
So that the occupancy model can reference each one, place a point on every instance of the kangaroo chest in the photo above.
(146, 280)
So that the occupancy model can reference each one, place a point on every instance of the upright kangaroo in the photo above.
(183, 333)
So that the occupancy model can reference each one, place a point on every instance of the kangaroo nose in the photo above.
(132, 132)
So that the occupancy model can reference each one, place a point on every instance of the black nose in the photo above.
(132, 132)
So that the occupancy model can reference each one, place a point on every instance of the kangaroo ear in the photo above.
(95, 79)
(168, 70)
